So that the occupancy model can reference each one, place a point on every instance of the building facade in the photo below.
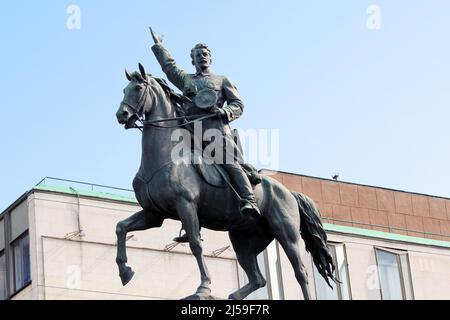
(57, 241)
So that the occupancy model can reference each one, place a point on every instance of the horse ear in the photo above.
(142, 70)
(127, 74)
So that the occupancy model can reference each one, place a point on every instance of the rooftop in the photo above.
(354, 183)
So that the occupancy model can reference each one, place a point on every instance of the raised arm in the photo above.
(174, 74)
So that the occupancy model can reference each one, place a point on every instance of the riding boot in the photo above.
(252, 173)
(243, 187)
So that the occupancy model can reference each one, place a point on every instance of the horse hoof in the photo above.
(233, 297)
(203, 290)
(196, 296)
(127, 275)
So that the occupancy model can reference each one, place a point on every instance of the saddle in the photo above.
(216, 176)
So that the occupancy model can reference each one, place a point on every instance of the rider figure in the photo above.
(190, 85)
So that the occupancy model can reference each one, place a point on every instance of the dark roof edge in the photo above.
(16, 203)
(357, 184)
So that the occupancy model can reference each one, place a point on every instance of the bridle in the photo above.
(141, 104)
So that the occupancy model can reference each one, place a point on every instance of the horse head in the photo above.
(140, 96)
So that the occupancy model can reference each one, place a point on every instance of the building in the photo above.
(57, 241)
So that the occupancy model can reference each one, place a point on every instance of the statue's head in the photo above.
(139, 96)
(201, 56)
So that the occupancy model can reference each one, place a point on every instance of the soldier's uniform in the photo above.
(190, 85)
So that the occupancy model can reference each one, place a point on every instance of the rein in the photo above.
(191, 118)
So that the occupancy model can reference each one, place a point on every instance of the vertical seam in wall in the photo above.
(237, 274)
(378, 275)
(323, 200)
(357, 198)
(7, 252)
(321, 192)
(378, 210)
(429, 209)
(376, 199)
(43, 269)
(35, 240)
(313, 282)
(395, 204)
(280, 271)
(39, 240)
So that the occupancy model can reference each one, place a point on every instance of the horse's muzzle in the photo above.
(131, 122)
(123, 115)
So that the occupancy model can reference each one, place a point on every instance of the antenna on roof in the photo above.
(335, 176)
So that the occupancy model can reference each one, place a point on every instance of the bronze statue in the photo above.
(175, 189)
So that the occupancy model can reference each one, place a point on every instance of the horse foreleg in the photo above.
(187, 211)
(141, 220)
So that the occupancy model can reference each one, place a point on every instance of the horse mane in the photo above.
(174, 97)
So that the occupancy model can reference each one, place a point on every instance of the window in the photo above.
(15, 271)
(2, 276)
(274, 276)
(21, 258)
(394, 273)
(340, 291)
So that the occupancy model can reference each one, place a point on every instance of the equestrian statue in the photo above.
(215, 189)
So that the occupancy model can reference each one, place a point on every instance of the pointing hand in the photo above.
(156, 38)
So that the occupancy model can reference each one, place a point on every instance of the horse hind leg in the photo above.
(247, 246)
(141, 220)
(290, 242)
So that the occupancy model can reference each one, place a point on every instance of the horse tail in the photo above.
(312, 232)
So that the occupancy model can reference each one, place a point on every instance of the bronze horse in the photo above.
(167, 188)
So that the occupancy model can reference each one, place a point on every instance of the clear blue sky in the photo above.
(372, 105)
